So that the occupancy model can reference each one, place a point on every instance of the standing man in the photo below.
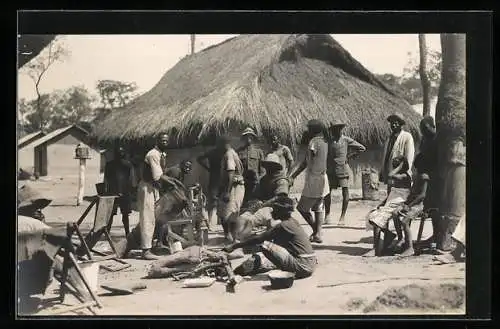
(211, 161)
(232, 186)
(316, 180)
(119, 179)
(153, 174)
(251, 156)
(428, 147)
(284, 154)
(340, 149)
(400, 143)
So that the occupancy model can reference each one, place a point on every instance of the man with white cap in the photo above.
(251, 156)
(400, 143)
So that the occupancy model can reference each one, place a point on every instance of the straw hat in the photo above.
(272, 161)
(249, 131)
(396, 117)
(27, 196)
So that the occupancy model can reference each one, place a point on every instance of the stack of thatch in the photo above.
(273, 83)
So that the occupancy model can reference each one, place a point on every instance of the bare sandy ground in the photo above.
(360, 280)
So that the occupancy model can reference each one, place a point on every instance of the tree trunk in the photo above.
(426, 85)
(450, 117)
(192, 43)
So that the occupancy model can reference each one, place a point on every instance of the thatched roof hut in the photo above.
(273, 83)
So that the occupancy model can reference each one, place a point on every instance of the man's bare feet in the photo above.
(316, 239)
(148, 255)
(444, 259)
(341, 221)
(328, 219)
(396, 244)
(408, 252)
(370, 253)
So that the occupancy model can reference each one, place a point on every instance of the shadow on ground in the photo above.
(343, 250)
(367, 239)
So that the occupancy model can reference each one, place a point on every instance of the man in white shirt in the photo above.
(153, 173)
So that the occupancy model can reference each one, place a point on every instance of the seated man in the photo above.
(181, 172)
(399, 184)
(412, 207)
(272, 185)
(170, 205)
(285, 246)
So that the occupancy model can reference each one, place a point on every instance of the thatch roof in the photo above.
(273, 83)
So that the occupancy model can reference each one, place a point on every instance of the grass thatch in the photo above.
(273, 83)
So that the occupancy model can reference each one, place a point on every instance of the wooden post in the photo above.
(82, 154)
(81, 181)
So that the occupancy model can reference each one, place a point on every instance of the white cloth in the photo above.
(30, 225)
(395, 199)
(459, 233)
(153, 158)
(146, 197)
(316, 179)
(315, 185)
(403, 146)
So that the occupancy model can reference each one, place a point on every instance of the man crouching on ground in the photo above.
(290, 250)
(271, 186)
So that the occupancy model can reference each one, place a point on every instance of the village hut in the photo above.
(53, 154)
(272, 83)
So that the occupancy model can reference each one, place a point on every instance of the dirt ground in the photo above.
(344, 282)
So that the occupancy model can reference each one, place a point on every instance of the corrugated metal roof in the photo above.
(29, 136)
(55, 133)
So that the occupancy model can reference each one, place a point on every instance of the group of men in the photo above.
(244, 183)
(411, 195)
(249, 189)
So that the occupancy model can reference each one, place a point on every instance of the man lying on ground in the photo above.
(185, 261)
(399, 183)
(290, 249)
(273, 185)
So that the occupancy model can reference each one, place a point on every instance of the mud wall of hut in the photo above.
(369, 159)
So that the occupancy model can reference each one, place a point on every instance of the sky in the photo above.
(144, 59)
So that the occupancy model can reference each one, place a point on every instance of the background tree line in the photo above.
(409, 85)
(74, 105)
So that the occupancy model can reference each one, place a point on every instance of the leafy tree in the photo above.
(115, 94)
(36, 70)
(412, 72)
(72, 106)
(61, 108)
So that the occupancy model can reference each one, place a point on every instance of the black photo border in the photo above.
(477, 26)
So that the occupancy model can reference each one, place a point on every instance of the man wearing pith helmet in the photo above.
(251, 156)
